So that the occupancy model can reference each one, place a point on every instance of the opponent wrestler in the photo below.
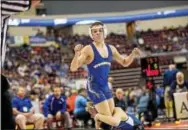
(98, 57)
(119, 119)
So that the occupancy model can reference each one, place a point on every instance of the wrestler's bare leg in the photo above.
(111, 104)
(114, 120)
(103, 109)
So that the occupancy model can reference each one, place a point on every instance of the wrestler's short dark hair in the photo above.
(96, 23)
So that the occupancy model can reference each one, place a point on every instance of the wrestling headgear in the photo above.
(98, 23)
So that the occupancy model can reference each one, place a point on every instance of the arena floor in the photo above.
(171, 126)
(163, 126)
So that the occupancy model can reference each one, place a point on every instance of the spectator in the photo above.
(12, 92)
(71, 101)
(22, 69)
(178, 86)
(55, 106)
(119, 99)
(35, 101)
(160, 93)
(39, 33)
(143, 103)
(168, 103)
(24, 111)
(131, 102)
(168, 77)
(80, 107)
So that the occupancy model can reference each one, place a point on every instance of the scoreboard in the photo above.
(150, 67)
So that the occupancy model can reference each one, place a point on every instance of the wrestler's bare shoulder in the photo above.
(87, 49)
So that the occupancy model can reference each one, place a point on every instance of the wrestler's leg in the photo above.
(111, 104)
(103, 108)
(99, 99)
(109, 97)
(114, 120)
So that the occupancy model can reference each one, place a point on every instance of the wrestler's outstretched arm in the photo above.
(81, 54)
(124, 61)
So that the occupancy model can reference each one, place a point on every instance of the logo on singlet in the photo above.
(101, 64)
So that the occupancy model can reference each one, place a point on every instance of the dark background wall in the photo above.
(78, 7)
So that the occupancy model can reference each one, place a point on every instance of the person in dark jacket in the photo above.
(168, 77)
(55, 107)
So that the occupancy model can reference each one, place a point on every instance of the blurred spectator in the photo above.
(160, 93)
(35, 101)
(156, 49)
(13, 91)
(178, 86)
(140, 41)
(47, 88)
(22, 69)
(168, 77)
(24, 111)
(143, 102)
(152, 113)
(131, 102)
(71, 101)
(80, 107)
(39, 33)
(168, 103)
(55, 106)
(119, 99)
(164, 48)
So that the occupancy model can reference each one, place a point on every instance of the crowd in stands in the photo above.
(68, 105)
(41, 75)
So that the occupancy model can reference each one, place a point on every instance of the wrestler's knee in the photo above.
(20, 118)
(103, 108)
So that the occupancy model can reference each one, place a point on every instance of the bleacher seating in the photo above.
(127, 78)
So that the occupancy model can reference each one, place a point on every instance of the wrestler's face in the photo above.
(97, 32)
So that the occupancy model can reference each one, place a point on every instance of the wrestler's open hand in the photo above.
(136, 52)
